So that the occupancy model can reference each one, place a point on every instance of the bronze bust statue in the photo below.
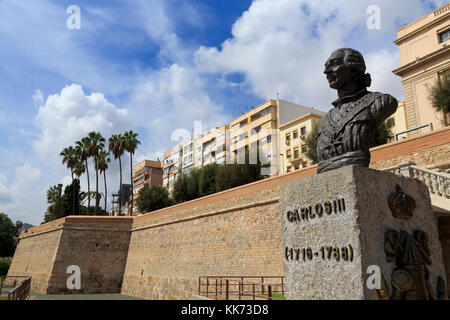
(346, 132)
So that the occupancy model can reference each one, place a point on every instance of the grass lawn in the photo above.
(277, 295)
(3, 298)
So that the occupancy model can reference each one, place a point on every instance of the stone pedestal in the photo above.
(341, 227)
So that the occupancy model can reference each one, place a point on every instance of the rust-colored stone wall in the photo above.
(35, 256)
(240, 237)
(99, 246)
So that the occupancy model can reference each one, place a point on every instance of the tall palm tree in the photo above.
(80, 168)
(69, 158)
(83, 154)
(117, 148)
(131, 142)
(97, 144)
(102, 163)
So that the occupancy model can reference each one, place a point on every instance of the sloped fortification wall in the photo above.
(98, 246)
(35, 254)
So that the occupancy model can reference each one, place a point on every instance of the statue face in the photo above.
(338, 74)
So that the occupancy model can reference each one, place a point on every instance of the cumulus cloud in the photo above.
(68, 116)
(173, 98)
(24, 188)
(281, 46)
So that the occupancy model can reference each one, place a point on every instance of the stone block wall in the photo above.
(99, 246)
(236, 237)
(35, 255)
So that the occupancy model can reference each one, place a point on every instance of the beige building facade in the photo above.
(145, 173)
(292, 141)
(258, 131)
(172, 166)
(424, 48)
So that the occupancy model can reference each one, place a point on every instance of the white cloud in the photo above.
(68, 116)
(23, 190)
(281, 46)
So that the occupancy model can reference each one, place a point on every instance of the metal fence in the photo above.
(17, 287)
(242, 287)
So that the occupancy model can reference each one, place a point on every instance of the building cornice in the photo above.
(420, 29)
(421, 61)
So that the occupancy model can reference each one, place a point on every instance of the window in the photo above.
(444, 36)
(304, 164)
(266, 111)
(296, 166)
(295, 134)
(269, 139)
(289, 169)
(296, 153)
(390, 123)
(288, 137)
(303, 131)
(288, 153)
(304, 148)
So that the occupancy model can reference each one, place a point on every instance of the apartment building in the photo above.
(145, 173)
(292, 141)
(172, 166)
(397, 122)
(424, 47)
(257, 130)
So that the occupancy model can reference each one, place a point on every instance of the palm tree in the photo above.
(131, 143)
(117, 148)
(80, 168)
(102, 163)
(69, 158)
(97, 144)
(83, 154)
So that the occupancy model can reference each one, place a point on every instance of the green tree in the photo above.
(214, 178)
(70, 201)
(52, 201)
(153, 198)
(382, 135)
(207, 181)
(311, 143)
(130, 144)
(97, 143)
(117, 148)
(8, 231)
(440, 98)
(70, 158)
(103, 161)
(82, 150)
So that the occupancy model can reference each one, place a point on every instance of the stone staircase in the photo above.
(437, 181)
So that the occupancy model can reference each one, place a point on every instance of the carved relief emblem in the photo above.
(410, 278)
(401, 204)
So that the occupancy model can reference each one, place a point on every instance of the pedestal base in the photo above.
(358, 233)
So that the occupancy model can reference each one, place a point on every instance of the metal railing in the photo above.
(430, 125)
(438, 183)
(242, 287)
(18, 287)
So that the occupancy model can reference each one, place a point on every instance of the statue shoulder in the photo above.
(383, 98)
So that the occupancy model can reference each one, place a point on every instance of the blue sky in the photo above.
(154, 66)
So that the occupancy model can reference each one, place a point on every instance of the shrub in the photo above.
(4, 267)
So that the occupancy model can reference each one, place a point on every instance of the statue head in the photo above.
(346, 66)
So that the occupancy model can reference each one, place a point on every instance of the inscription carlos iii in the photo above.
(316, 211)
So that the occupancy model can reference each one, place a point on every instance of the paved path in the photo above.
(37, 296)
